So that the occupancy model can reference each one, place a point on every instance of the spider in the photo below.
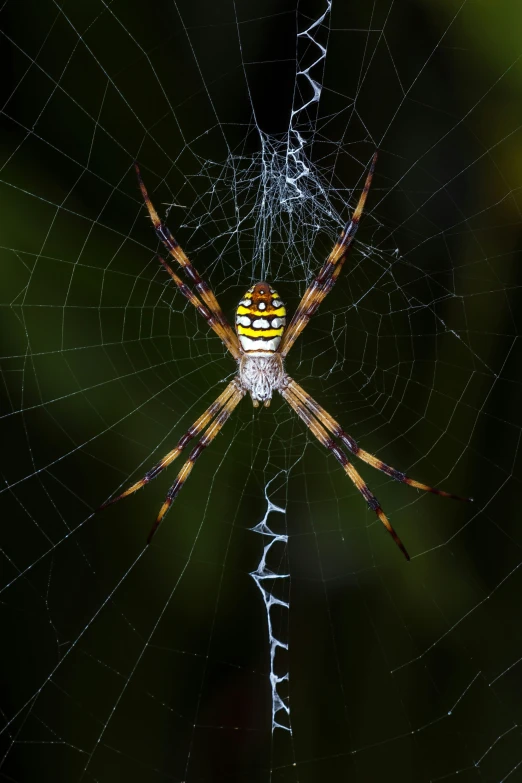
(260, 345)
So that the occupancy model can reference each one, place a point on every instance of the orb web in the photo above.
(311, 650)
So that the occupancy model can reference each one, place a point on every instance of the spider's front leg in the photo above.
(320, 287)
(212, 311)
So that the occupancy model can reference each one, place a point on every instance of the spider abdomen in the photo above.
(261, 376)
(260, 320)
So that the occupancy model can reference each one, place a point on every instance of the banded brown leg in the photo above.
(202, 310)
(192, 432)
(333, 426)
(163, 232)
(205, 441)
(322, 436)
(325, 280)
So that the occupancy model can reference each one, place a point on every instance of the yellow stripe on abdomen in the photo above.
(265, 334)
(260, 320)
(270, 313)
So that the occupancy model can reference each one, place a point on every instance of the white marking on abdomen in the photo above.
(244, 320)
(277, 322)
(258, 344)
(260, 323)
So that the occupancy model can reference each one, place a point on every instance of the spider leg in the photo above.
(178, 254)
(198, 426)
(325, 280)
(202, 310)
(333, 426)
(322, 436)
(205, 441)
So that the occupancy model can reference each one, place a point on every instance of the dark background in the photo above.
(125, 663)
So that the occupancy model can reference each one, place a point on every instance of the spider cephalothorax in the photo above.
(261, 376)
(259, 346)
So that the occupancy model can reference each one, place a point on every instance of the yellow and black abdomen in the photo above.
(260, 320)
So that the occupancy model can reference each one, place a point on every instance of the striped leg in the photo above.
(198, 426)
(176, 252)
(322, 436)
(203, 310)
(332, 426)
(325, 280)
(205, 441)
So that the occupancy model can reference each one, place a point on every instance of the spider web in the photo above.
(254, 125)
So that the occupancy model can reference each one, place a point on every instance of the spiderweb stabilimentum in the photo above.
(272, 631)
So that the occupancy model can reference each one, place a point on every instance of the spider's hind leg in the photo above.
(322, 436)
(192, 432)
(333, 426)
(224, 414)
